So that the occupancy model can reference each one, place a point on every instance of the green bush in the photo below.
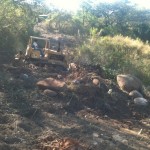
(16, 24)
(117, 54)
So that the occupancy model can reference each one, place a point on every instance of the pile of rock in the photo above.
(133, 86)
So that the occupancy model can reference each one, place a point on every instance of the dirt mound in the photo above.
(91, 111)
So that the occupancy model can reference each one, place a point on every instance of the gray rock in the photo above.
(135, 94)
(140, 101)
(24, 76)
(129, 83)
(50, 93)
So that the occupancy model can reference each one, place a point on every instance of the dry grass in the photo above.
(118, 54)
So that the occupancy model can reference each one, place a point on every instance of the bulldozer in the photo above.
(51, 57)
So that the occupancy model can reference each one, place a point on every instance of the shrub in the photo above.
(17, 21)
(117, 54)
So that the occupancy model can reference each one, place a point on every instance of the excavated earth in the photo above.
(44, 108)
(83, 106)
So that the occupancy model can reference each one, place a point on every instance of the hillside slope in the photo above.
(92, 116)
(34, 119)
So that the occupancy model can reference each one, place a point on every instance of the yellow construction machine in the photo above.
(51, 57)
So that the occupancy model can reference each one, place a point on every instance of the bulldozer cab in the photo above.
(51, 57)
(43, 43)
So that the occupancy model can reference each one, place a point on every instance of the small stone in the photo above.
(140, 101)
(105, 116)
(118, 138)
(24, 76)
(59, 76)
(109, 91)
(48, 92)
(76, 81)
(125, 142)
(95, 143)
(96, 82)
(135, 94)
(95, 134)
(72, 66)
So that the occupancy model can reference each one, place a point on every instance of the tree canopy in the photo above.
(17, 19)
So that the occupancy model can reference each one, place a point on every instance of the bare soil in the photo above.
(31, 120)
(79, 117)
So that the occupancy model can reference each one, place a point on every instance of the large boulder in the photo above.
(51, 83)
(129, 83)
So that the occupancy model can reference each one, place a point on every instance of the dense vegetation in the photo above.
(119, 33)
(17, 20)
(117, 54)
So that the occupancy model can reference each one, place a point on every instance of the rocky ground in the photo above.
(39, 114)
(45, 108)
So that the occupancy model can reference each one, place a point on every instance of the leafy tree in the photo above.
(142, 31)
(117, 18)
(16, 24)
